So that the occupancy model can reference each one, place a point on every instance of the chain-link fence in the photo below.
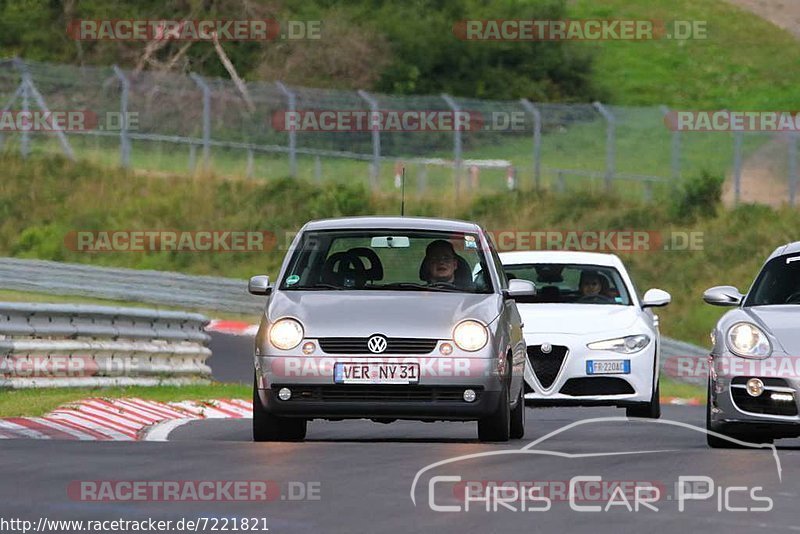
(168, 123)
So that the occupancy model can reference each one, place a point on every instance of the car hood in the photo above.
(782, 322)
(392, 313)
(576, 318)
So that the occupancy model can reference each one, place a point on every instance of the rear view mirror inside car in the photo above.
(390, 242)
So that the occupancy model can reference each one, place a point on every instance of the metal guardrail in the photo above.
(69, 345)
(683, 361)
(154, 287)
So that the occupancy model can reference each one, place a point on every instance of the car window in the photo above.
(572, 283)
(387, 259)
(777, 283)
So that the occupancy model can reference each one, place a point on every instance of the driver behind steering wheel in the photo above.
(593, 287)
(440, 262)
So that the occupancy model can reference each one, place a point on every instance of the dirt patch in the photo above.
(782, 13)
(764, 176)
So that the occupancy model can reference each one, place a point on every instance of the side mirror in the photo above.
(723, 296)
(655, 298)
(519, 288)
(259, 285)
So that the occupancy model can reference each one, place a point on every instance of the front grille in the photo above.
(372, 393)
(546, 366)
(586, 386)
(763, 404)
(394, 345)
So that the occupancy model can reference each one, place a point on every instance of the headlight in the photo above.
(625, 345)
(470, 335)
(748, 341)
(286, 334)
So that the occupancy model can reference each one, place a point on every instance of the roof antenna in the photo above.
(403, 193)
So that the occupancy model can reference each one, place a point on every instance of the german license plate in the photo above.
(375, 373)
(608, 367)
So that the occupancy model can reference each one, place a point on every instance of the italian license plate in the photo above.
(608, 367)
(375, 373)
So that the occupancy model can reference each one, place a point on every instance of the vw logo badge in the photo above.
(547, 348)
(376, 344)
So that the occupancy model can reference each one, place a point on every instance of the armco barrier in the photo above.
(68, 345)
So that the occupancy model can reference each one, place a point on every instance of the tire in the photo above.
(518, 417)
(650, 410)
(268, 427)
(497, 426)
(716, 442)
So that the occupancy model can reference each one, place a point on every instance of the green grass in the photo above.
(672, 388)
(37, 402)
(745, 63)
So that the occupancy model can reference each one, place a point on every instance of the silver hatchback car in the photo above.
(382, 318)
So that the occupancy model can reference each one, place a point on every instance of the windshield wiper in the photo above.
(411, 286)
(319, 286)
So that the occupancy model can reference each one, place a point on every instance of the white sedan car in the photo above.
(590, 339)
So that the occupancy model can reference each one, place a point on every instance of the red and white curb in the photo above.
(236, 328)
(120, 419)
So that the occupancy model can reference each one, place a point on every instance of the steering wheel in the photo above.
(596, 299)
(794, 298)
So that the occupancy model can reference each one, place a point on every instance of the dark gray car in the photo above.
(754, 374)
(382, 318)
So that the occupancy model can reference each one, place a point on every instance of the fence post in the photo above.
(206, 117)
(250, 163)
(561, 184)
(792, 167)
(28, 91)
(537, 141)
(675, 151)
(17, 94)
(422, 178)
(291, 103)
(124, 141)
(374, 122)
(457, 158)
(611, 123)
(738, 137)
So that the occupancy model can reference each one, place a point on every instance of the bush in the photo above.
(698, 196)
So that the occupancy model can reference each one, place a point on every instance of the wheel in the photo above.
(717, 442)
(497, 426)
(518, 417)
(268, 427)
(650, 410)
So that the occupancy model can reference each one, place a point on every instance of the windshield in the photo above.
(571, 283)
(777, 283)
(393, 260)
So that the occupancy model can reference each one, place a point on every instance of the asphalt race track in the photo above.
(357, 476)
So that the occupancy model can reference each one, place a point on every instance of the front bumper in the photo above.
(437, 396)
(731, 407)
(573, 386)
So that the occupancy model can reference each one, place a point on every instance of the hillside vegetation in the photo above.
(45, 199)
